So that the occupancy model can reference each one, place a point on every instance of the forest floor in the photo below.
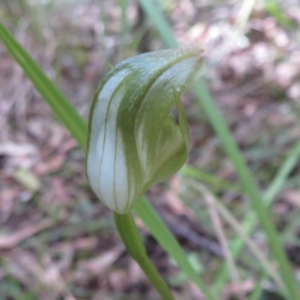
(57, 240)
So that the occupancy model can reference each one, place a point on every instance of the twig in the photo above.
(8, 242)
(211, 204)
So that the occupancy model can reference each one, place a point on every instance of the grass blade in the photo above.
(218, 123)
(272, 6)
(155, 14)
(269, 267)
(58, 102)
(251, 191)
(250, 222)
(168, 242)
(215, 181)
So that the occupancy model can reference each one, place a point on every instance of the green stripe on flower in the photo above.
(133, 142)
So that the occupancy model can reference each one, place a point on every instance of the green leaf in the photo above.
(58, 102)
(217, 121)
(167, 240)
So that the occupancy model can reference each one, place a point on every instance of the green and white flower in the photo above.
(133, 142)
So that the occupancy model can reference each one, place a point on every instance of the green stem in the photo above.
(136, 249)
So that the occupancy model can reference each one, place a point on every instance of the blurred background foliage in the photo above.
(57, 241)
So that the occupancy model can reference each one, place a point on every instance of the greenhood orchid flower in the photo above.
(133, 141)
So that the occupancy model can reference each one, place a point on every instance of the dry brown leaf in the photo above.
(292, 197)
(98, 266)
(51, 165)
(7, 242)
(7, 197)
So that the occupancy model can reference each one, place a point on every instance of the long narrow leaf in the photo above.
(155, 14)
(215, 181)
(168, 242)
(249, 223)
(58, 102)
(251, 191)
(273, 7)
(218, 123)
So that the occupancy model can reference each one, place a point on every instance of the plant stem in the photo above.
(136, 249)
